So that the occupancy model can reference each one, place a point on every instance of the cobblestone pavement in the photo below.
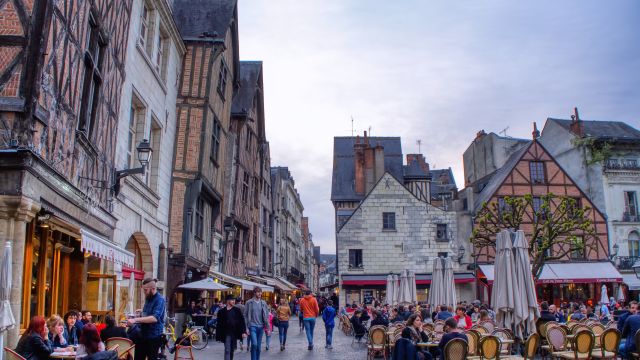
(343, 348)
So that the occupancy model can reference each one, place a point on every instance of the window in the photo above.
(131, 138)
(578, 245)
(162, 54)
(537, 205)
(355, 259)
(631, 206)
(93, 59)
(246, 238)
(236, 247)
(536, 170)
(146, 29)
(222, 79)
(388, 221)
(634, 244)
(539, 243)
(443, 254)
(215, 140)
(264, 258)
(245, 188)
(503, 207)
(154, 162)
(255, 239)
(199, 219)
(573, 206)
(247, 145)
(441, 232)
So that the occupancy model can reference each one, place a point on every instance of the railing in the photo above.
(626, 262)
(629, 217)
(622, 165)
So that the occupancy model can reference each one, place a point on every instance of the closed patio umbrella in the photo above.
(436, 296)
(505, 292)
(130, 304)
(389, 297)
(412, 286)
(526, 310)
(405, 292)
(448, 283)
(604, 295)
(7, 321)
(620, 294)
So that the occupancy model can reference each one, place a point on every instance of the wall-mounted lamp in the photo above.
(614, 254)
(461, 251)
(189, 275)
(144, 155)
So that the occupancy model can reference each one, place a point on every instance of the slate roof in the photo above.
(498, 177)
(414, 171)
(604, 130)
(343, 178)
(194, 17)
(249, 75)
(437, 187)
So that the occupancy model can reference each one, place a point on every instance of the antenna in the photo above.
(369, 130)
(504, 131)
(419, 142)
(351, 125)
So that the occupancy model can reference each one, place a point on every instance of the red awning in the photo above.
(137, 274)
(302, 287)
(567, 273)
(381, 280)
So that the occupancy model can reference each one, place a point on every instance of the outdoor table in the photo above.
(427, 344)
(63, 355)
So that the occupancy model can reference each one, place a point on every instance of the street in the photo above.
(296, 346)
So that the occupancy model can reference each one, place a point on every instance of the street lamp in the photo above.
(189, 275)
(460, 252)
(144, 155)
(614, 254)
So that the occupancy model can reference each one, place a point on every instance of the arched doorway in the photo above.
(143, 267)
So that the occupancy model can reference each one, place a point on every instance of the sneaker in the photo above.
(266, 349)
(310, 347)
(281, 347)
(329, 347)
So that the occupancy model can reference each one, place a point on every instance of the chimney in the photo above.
(422, 162)
(378, 161)
(577, 127)
(480, 134)
(535, 133)
(359, 165)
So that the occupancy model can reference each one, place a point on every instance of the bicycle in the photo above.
(170, 332)
(197, 336)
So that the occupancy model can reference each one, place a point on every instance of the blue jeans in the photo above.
(309, 324)
(255, 333)
(282, 331)
(329, 330)
(622, 349)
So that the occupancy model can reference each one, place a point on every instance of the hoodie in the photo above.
(309, 307)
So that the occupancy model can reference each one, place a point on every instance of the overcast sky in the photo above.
(431, 71)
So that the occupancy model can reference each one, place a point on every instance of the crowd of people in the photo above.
(75, 334)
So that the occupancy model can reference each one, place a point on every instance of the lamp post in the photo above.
(144, 151)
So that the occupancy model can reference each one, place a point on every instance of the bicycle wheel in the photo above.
(170, 336)
(198, 338)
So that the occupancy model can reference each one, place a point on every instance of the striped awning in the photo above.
(100, 247)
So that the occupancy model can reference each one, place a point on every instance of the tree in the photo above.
(555, 226)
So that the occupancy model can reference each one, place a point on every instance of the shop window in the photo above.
(355, 259)
(536, 171)
(388, 221)
(634, 244)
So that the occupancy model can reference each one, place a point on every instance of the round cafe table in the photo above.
(63, 355)
(427, 344)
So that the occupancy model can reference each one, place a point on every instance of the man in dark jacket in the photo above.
(404, 348)
(631, 326)
(545, 314)
(633, 307)
(444, 313)
(378, 319)
(231, 327)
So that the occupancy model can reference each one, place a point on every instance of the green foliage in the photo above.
(600, 151)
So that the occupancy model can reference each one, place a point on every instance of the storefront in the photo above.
(242, 288)
(566, 282)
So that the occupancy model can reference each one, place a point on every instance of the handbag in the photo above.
(276, 321)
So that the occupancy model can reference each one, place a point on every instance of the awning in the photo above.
(263, 280)
(207, 284)
(632, 281)
(568, 273)
(381, 279)
(246, 285)
(127, 272)
(286, 282)
(105, 249)
(280, 285)
(303, 287)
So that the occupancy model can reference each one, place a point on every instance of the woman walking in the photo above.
(283, 313)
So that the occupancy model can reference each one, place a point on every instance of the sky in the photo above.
(435, 71)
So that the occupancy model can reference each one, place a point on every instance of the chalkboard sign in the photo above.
(368, 296)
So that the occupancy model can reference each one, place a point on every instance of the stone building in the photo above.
(154, 60)
(242, 190)
(612, 181)
(208, 81)
(62, 69)
(531, 169)
(267, 255)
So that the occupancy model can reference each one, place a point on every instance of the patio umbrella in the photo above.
(620, 294)
(131, 307)
(405, 292)
(505, 292)
(436, 296)
(389, 297)
(526, 310)
(604, 295)
(396, 289)
(7, 320)
(412, 286)
(448, 283)
(207, 284)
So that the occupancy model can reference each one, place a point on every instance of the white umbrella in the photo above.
(405, 292)
(620, 294)
(436, 297)
(526, 310)
(448, 283)
(412, 286)
(389, 297)
(131, 306)
(505, 289)
(396, 289)
(604, 295)
(207, 284)
(7, 320)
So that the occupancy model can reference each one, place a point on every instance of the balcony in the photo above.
(626, 262)
(615, 164)
(630, 217)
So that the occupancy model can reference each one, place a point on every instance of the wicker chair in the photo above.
(636, 354)
(183, 353)
(579, 327)
(503, 334)
(597, 330)
(582, 346)
(456, 349)
(113, 347)
(481, 329)
(490, 348)
(124, 345)
(609, 342)
(473, 339)
(428, 327)
(438, 326)
(530, 348)
(377, 344)
(557, 339)
(488, 324)
(12, 355)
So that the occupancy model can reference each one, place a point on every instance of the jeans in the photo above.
(255, 334)
(329, 330)
(268, 340)
(622, 349)
(309, 324)
(282, 331)
(148, 348)
(229, 347)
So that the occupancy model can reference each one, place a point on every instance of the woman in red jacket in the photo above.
(461, 317)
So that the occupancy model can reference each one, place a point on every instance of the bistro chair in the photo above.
(557, 339)
(392, 342)
(597, 330)
(473, 339)
(582, 346)
(183, 353)
(609, 342)
(438, 326)
(456, 349)
(481, 329)
(530, 348)
(377, 342)
(488, 324)
(113, 347)
(428, 327)
(490, 348)
(128, 353)
(124, 344)
(580, 327)
(503, 334)
(12, 355)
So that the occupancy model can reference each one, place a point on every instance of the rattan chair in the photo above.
(557, 339)
(582, 346)
(481, 329)
(609, 343)
(438, 326)
(124, 343)
(377, 344)
(456, 349)
(530, 349)
(473, 339)
(503, 334)
(183, 353)
(113, 347)
(580, 327)
(429, 326)
(12, 355)
(488, 324)
(490, 348)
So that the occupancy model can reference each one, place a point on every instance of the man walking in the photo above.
(256, 313)
(230, 327)
(328, 316)
(151, 322)
(310, 310)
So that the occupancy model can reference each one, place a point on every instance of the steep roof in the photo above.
(604, 130)
(438, 187)
(249, 84)
(343, 178)
(498, 177)
(414, 171)
(195, 17)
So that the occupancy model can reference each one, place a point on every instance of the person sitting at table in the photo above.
(404, 348)
(87, 318)
(34, 344)
(414, 324)
(71, 333)
(56, 333)
(112, 330)
(452, 331)
(91, 347)
(461, 317)
(358, 327)
(378, 319)
(192, 310)
(444, 313)
(484, 316)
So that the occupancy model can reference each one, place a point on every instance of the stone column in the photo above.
(16, 212)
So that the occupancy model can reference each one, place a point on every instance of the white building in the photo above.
(148, 111)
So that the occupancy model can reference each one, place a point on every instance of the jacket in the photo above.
(328, 316)
(443, 315)
(546, 315)
(230, 322)
(631, 326)
(33, 347)
(309, 307)
(358, 327)
(283, 312)
(102, 355)
(404, 349)
(467, 320)
(111, 332)
(380, 320)
(72, 336)
(622, 319)
(264, 312)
